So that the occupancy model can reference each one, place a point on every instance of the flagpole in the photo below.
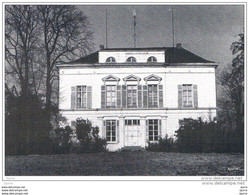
(134, 16)
(173, 27)
(106, 39)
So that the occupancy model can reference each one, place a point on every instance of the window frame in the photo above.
(111, 130)
(153, 129)
(152, 57)
(132, 122)
(81, 97)
(157, 98)
(115, 92)
(130, 85)
(113, 60)
(192, 96)
(132, 58)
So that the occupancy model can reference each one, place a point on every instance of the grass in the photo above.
(126, 163)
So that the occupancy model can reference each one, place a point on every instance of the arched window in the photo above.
(152, 59)
(110, 60)
(131, 59)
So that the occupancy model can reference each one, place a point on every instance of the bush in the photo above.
(26, 125)
(196, 136)
(61, 138)
(165, 144)
(199, 136)
(88, 136)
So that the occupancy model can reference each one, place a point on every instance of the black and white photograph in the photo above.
(124, 89)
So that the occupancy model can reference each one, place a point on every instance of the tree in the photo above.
(21, 44)
(232, 81)
(65, 34)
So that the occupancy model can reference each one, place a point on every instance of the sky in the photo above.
(206, 30)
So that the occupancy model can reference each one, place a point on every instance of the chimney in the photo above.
(178, 45)
(102, 47)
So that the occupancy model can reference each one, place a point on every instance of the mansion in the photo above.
(136, 95)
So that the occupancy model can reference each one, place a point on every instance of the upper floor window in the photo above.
(152, 59)
(131, 96)
(110, 60)
(187, 95)
(131, 59)
(111, 96)
(81, 97)
(153, 95)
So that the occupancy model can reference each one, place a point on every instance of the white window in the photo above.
(153, 127)
(81, 96)
(110, 60)
(131, 59)
(153, 95)
(131, 96)
(111, 96)
(187, 95)
(152, 59)
(111, 130)
(130, 122)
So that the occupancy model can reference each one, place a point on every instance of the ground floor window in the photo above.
(111, 130)
(153, 127)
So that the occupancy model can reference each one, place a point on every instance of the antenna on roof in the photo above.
(173, 26)
(106, 36)
(134, 16)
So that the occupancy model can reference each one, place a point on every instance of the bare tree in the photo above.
(65, 35)
(21, 43)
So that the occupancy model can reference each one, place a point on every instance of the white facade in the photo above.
(137, 114)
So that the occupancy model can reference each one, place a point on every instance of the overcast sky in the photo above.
(207, 31)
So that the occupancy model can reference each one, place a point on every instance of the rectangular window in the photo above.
(187, 95)
(130, 122)
(132, 96)
(111, 130)
(81, 96)
(152, 96)
(153, 127)
(111, 96)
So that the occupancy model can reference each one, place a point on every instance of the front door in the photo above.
(132, 130)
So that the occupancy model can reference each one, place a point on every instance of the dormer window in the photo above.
(152, 59)
(110, 60)
(131, 59)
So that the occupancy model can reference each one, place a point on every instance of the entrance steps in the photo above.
(132, 148)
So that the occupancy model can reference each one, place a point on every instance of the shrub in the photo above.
(88, 137)
(199, 136)
(61, 138)
(26, 125)
(165, 144)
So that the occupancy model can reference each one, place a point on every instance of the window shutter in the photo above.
(160, 128)
(179, 96)
(160, 87)
(89, 97)
(118, 131)
(140, 104)
(147, 129)
(124, 96)
(195, 96)
(103, 96)
(104, 129)
(118, 96)
(145, 96)
(73, 97)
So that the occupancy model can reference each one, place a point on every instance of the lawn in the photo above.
(126, 163)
